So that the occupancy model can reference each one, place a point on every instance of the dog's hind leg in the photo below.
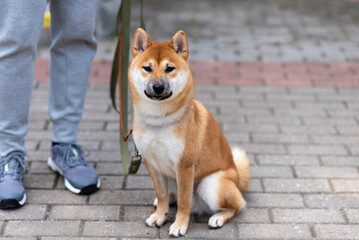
(222, 196)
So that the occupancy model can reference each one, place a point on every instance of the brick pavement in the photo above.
(303, 146)
(286, 91)
(253, 30)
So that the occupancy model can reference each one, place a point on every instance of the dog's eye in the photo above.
(147, 69)
(169, 69)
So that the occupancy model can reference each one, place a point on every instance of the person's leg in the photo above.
(72, 51)
(21, 24)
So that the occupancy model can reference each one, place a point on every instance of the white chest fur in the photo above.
(161, 148)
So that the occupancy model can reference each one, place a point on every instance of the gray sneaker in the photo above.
(12, 192)
(68, 160)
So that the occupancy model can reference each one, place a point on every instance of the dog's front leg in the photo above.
(185, 179)
(158, 218)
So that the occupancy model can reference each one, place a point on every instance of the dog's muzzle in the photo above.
(158, 91)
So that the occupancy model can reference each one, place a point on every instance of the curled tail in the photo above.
(242, 164)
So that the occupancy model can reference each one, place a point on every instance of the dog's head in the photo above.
(159, 70)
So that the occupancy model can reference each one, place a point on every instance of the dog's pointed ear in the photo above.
(140, 42)
(179, 43)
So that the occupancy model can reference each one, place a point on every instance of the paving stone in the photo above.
(110, 145)
(100, 213)
(109, 168)
(39, 181)
(264, 148)
(111, 182)
(271, 138)
(275, 108)
(138, 213)
(255, 186)
(336, 140)
(252, 215)
(39, 135)
(316, 149)
(93, 125)
(348, 129)
(116, 229)
(31, 145)
(307, 216)
(244, 111)
(336, 231)
(42, 228)
(39, 167)
(270, 128)
(75, 238)
(139, 182)
(290, 97)
(290, 129)
(332, 200)
(37, 124)
(320, 106)
(340, 185)
(273, 200)
(273, 231)
(340, 160)
(100, 135)
(105, 156)
(54, 197)
(354, 150)
(41, 156)
(236, 138)
(144, 197)
(327, 172)
(115, 168)
(275, 120)
(27, 212)
(296, 185)
(341, 113)
(288, 160)
(328, 121)
(271, 171)
(16, 238)
(353, 215)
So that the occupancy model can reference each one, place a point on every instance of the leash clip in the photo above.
(135, 163)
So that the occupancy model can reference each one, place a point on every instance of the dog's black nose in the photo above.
(158, 88)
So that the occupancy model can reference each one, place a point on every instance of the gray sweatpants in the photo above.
(72, 50)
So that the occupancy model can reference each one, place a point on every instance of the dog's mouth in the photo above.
(158, 97)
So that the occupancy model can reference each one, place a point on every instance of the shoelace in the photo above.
(17, 172)
(74, 154)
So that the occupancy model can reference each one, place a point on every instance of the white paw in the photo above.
(177, 231)
(216, 221)
(155, 221)
(155, 202)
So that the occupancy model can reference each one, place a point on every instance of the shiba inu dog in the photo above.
(185, 151)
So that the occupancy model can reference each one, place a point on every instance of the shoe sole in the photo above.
(12, 203)
(84, 191)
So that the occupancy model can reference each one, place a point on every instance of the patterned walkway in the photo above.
(281, 78)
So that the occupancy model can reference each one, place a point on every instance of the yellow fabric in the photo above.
(47, 20)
